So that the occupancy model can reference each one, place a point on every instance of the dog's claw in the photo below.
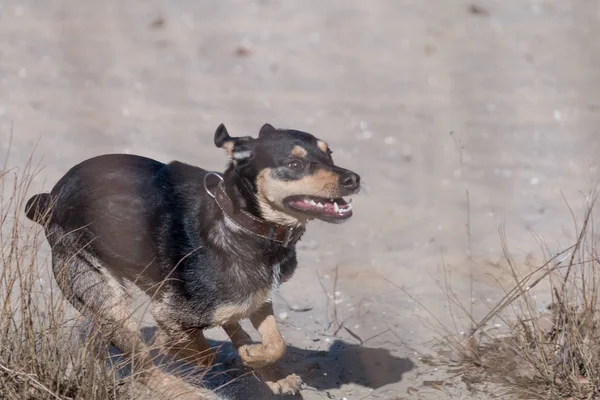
(289, 385)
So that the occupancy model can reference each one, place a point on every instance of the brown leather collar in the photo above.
(251, 224)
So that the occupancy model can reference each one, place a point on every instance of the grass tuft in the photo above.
(38, 330)
(552, 353)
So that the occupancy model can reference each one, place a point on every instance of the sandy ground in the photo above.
(385, 83)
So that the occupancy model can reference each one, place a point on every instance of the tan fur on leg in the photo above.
(189, 346)
(99, 295)
(272, 347)
(170, 387)
(261, 356)
(185, 344)
(102, 298)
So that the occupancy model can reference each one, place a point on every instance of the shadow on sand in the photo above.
(341, 364)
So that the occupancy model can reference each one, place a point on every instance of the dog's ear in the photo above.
(266, 129)
(223, 140)
(241, 154)
(238, 148)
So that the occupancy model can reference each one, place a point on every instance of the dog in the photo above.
(208, 248)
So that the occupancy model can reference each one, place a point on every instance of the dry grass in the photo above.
(47, 349)
(36, 333)
(549, 354)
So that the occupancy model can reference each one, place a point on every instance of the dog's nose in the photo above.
(350, 180)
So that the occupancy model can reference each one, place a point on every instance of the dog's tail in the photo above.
(38, 207)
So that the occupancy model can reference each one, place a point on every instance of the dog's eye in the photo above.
(296, 164)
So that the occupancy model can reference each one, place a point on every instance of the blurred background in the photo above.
(459, 116)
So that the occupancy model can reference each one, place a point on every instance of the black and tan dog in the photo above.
(210, 249)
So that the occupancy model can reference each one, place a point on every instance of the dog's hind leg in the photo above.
(263, 357)
(181, 342)
(100, 296)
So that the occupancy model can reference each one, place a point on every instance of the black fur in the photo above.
(37, 206)
(221, 136)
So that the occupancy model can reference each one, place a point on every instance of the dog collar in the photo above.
(248, 222)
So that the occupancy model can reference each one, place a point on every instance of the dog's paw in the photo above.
(255, 356)
(289, 385)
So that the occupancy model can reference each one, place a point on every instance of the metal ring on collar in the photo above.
(206, 176)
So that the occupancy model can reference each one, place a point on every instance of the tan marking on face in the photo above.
(322, 184)
(234, 312)
(322, 145)
(268, 212)
(299, 151)
(271, 193)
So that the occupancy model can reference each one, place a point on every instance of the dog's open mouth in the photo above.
(320, 207)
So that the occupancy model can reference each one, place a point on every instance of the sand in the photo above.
(459, 119)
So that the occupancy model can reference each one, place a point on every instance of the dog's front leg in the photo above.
(272, 347)
(237, 334)
(262, 357)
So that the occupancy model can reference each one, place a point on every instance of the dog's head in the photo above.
(291, 174)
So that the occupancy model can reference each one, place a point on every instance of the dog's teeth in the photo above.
(350, 205)
(306, 201)
(312, 203)
(320, 205)
(336, 207)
